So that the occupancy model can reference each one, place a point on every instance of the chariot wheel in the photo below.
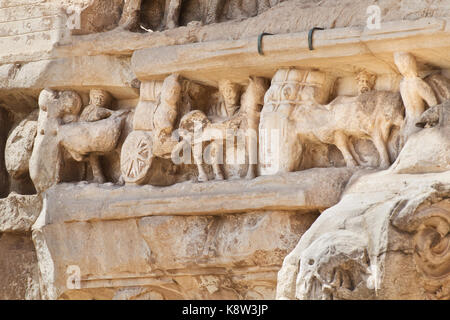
(136, 157)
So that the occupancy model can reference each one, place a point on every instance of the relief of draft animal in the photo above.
(246, 120)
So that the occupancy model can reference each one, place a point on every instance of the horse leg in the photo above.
(173, 14)
(355, 154)
(96, 169)
(215, 160)
(341, 142)
(252, 151)
(380, 144)
(197, 152)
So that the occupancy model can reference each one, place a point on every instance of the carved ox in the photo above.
(292, 109)
(371, 115)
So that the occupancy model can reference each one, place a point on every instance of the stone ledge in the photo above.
(166, 251)
(309, 190)
(338, 51)
(236, 232)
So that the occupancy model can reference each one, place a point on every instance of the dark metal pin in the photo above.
(260, 41)
(310, 36)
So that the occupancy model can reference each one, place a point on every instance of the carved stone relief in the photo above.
(164, 164)
(416, 93)
(169, 14)
(300, 118)
(224, 122)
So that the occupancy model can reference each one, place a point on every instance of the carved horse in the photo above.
(245, 120)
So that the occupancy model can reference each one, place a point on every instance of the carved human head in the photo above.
(406, 64)
(366, 81)
(69, 103)
(171, 89)
(99, 98)
(59, 104)
(229, 91)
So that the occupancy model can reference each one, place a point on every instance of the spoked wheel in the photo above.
(136, 157)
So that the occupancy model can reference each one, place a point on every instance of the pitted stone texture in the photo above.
(209, 257)
(19, 277)
(19, 147)
(356, 249)
(19, 212)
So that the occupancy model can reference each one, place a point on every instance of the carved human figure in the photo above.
(227, 106)
(243, 120)
(96, 111)
(154, 122)
(415, 92)
(46, 161)
(59, 130)
(165, 115)
(366, 81)
(131, 12)
(228, 101)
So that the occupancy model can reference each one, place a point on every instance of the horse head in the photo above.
(253, 96)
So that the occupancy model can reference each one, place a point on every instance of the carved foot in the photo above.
(98, 180)
(202, 177)
(351, 163)
(121, 181)
(129, 21)
(171, 25)
(219, 177)
(250, 175)
(385, 165)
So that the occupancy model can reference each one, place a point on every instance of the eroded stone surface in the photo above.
(356, 248)
(19, 147)
(234, 256)
(19, 212)
(19, 277)
(118, 113)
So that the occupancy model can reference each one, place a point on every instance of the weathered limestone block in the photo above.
(19, 212)
(360, 233)
(159, 251)
(190, 240)
(72, 72)
(19, 146)
(314, 189)
(387, 238)
(429, 149)
(341, 51)
(96, 16)
(18, 262)
(287, 17)
(19, 276)
(346, 254)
